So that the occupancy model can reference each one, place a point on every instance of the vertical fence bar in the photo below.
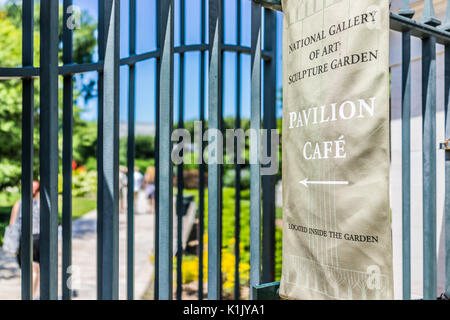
(446, 27)
(101, 53)
(109, 161)
(201, 191)
(180, 182)
(49, 150)
(131, 152)
(406, 153)
(27, 151)
(447, 171)
(268, 181)
(406, 163)
(406, 9)
(429, 166)
(447, 157)
(67, 154)
(255, 150)
(428, 15)
(237, 180)
(157, 127)
(429, 154)
(165, 182)
(214, 169)
(222, 171)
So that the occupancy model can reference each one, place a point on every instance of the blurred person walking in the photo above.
(16, 222)
(123, 185)
(149, 181)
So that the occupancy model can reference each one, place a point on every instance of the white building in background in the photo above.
(416, 156)
(142, 129)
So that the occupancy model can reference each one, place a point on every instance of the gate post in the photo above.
(67, 156)
(108, 152)
(429, 155)
(255, 151)
(269, 123)
(214, 169)
(48, 157)
(406, 153)
(165, 115)
(447, 156)
(27, 151)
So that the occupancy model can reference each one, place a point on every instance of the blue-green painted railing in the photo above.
(262, 221)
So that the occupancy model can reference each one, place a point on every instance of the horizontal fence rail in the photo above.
(263, 73)
(108, 90)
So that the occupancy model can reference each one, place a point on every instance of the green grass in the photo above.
(279, 213)
(80, 206)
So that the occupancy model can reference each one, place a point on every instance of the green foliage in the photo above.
(11, 93)
(279, 213)
(144, 152)
(230, 177)
(91, 164)
(11, 105)
(84, 183)
(84, 141)
(228, 219)
(84, 40)
(145, 147)
(7, 201)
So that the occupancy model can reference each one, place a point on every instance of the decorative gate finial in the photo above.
(405, 10)
(428, 15)
(271, 4)
(447, 17)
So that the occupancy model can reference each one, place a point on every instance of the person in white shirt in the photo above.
(16, 218)
(138, 181)
(123, 184)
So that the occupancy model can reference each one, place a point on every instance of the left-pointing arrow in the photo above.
(306, 181)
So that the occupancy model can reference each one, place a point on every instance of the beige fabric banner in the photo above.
(337, 241)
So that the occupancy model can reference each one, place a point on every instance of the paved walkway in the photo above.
(84, 249)
(84, 254)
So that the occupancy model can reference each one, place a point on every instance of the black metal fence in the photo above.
(262, 214)
(108, 142)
